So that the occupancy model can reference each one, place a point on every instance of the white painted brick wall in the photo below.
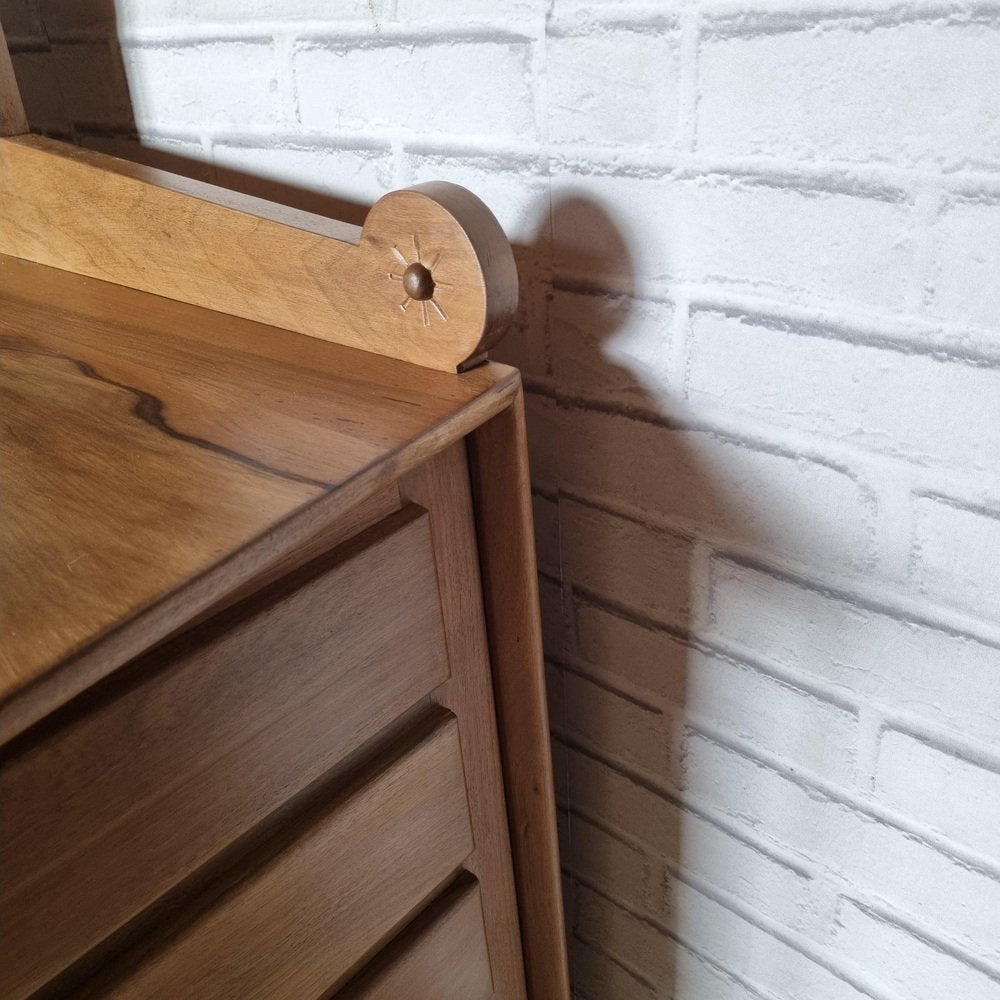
(936, 787)
(786, 504)
(759, 243)
(625, 561)
(966, 280)
(767, 238)
(320, 169)
(955, 551)
(886, 89)
(222, 83)
(884, 659)
(856, 393)
(591, 364)
(917, 969)
(588, 83)
(852, 845)
(410, 87)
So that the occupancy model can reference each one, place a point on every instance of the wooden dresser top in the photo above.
(157, 454)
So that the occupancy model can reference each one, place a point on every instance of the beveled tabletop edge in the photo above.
(28, 699)
(28, 704)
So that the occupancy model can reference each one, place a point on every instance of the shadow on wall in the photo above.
(640, 508)
(626, 481)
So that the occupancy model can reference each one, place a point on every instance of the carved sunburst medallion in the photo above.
(419, 284)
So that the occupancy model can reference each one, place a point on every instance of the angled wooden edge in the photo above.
(430, 278)
(12, 118)
(499, 465)
(28, 705)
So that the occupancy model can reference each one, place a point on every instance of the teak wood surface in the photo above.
(192, 746)
(145, 228)
(132, 423)
(442, 486)
(301, 924)
(498, 461)
(442, 956)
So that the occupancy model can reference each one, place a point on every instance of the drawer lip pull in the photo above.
(138, 785)
(441, 953)
(353, 872)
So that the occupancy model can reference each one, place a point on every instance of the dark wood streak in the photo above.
(149, 409)
(230, 444)
(106, 507)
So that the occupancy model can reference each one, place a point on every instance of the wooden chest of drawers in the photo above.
(272, 717)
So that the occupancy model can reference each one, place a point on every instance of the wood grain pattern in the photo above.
(441, 956)
(166, 454)
(499, 464)
(202, 740)
(162, 460)
(97, 215)
(307, 920)
(369, 512)
(442, 486)
(12, 118)
(85, 459)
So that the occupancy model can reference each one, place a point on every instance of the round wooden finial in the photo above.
(418, 283)
(463, 295)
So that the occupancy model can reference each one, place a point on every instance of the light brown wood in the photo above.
(441, 956)
(502, 489)
(12, 118)
(442, 486)
(297, 927)
(144, 228)
(203, 739)
(370, 511)
(216, 443)
(259, 806)
(90, 488)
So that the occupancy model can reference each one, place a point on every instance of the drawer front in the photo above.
(443, 956)
(298, 926)
(196, 743)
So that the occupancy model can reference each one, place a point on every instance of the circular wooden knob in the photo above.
(418, 283)
(467, 273)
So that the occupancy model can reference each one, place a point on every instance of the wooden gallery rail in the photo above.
(272, 713)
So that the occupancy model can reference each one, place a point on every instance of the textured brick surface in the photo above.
(334, 171)
(769, 712)
(967, 248)
(718, 487)
(813, 93)
(345, 86)
(914, 968)
(676, 836)
(635, 101)
(956, 902)
(855, 393)
(610, 347)
(217, 83)
(40, 90)
(955, 553)
(185, 13)
(883, 660)
(956, 796)
(799, 243)
(760, 263)
(22, 20)
(627, 562)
